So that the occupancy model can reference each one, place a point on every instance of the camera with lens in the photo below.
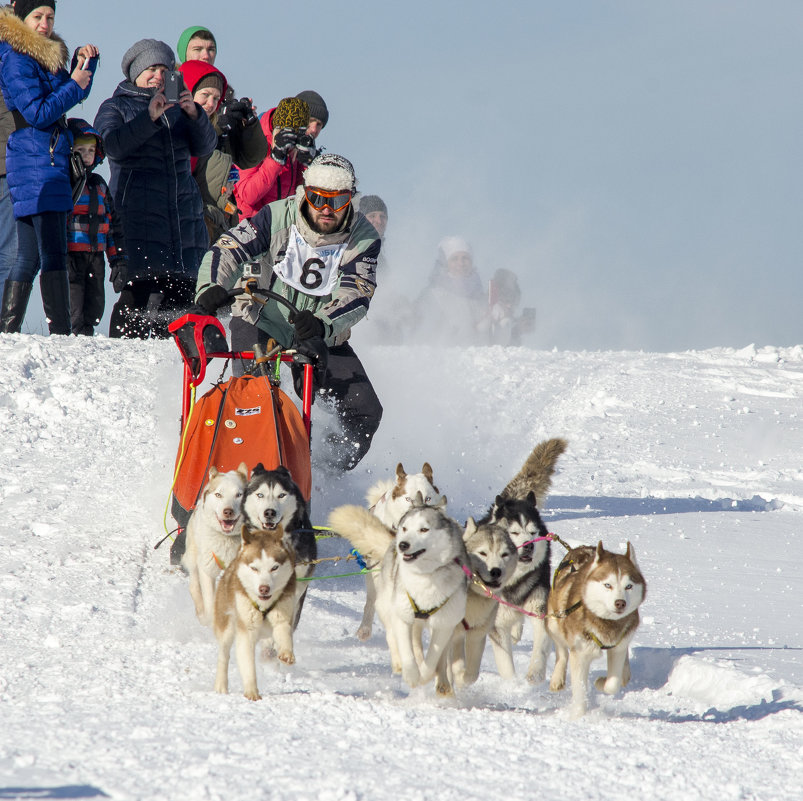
(305, 141)
(252, 269)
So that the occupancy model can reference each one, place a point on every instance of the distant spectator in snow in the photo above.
(452, 307)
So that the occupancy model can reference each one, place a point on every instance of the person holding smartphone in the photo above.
(150, 140)
(38, 91)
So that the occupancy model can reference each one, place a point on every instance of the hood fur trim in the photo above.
(52, 54)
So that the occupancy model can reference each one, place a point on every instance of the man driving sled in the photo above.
(317, 251)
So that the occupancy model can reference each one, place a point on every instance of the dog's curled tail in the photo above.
(364, 530)
(536, 472)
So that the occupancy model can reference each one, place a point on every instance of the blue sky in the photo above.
(636, 163)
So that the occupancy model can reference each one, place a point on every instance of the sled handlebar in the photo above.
(252, 290)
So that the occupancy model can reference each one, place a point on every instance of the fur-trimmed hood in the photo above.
(52, 54)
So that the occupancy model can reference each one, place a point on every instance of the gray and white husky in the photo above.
(213, 535)
(273, 499)
(389, 500)
(492, 559)
(593, 607)
(421, 584)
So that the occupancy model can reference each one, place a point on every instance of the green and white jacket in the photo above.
(333, 275)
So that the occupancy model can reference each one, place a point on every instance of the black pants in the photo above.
(345, 389)
(87, 293)
(146, 307)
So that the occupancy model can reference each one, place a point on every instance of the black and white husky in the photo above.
(273, 499)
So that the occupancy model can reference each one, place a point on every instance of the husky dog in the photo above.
(389, 500)
(213, 536)
(255, 599)
(492, 558)
(516, 510)
(273, 499)
(526, 589)
(421, 582)
(593, 607)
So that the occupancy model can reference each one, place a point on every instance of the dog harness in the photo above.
(425, 614)
(263, 611)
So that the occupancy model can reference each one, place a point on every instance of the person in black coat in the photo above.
(149, 143)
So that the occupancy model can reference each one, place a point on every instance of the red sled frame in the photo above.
(196, 358)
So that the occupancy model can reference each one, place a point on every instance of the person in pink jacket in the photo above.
(291, 150)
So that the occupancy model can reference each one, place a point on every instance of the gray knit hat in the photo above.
(369, 203)
(145, 53)
(317, 108)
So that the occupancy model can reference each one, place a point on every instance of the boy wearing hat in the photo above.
(319, 252)
(93, 228)
(291, 130)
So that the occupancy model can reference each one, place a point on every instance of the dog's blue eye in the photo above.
(274, 568)
(282, 494)
(609, 586)
(260, 495)
(629, 587)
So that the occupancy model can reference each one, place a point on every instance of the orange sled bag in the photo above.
(245, 419)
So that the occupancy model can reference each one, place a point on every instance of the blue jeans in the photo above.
(41, 244)
(8, 232)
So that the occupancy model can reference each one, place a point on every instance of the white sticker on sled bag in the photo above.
(308, 269)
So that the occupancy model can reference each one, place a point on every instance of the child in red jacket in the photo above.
(93, 229)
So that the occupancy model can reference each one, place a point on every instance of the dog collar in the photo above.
(567, 612)
(589, 635)
(424, 614)
(264, 611)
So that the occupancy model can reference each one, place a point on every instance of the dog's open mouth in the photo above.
(493, 584)
(411, 557)
(271, 524)
(525, 558)
(227, 524)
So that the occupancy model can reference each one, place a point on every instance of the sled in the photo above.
(245, 418)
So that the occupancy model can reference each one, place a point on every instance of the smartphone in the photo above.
(174, 85)
(92, 64)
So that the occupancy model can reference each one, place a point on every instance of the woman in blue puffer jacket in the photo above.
(38, 91)
(149, 143)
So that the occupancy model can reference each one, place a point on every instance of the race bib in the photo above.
(308, 269)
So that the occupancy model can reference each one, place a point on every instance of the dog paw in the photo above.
(363, 633)
(223, 689)
(556, 685)
(411, 676)
(252, 695)
(288, 657)
(444, 689)
(609, 685)
(537, 675)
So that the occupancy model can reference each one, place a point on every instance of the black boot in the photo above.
(15, 302)
(55, 288)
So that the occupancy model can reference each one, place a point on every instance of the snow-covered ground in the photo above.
(106, 676)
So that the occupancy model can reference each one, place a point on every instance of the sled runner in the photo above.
(243, 419)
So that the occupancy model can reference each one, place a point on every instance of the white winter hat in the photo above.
(332, 172)
(450, 245)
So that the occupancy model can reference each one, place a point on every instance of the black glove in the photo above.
(211, 299)
(307, 325)
(118, 275)
(283, 142)
(233, 115)
(305, 149)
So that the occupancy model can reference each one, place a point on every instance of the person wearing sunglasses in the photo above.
(317, 251)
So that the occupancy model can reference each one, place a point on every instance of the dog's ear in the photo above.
(427, 471)
(283, 471)
(213, 473)
(531, 498)
(247, 533)
(498, 501)
(630, 554)
(441, 504)
(242, 469)
(599, 553)
(258, 468)
(471, 529)
(400, 474)
(418, 501)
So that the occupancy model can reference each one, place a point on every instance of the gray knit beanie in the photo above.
(369, 203)
(145, 53)
(317, 108)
